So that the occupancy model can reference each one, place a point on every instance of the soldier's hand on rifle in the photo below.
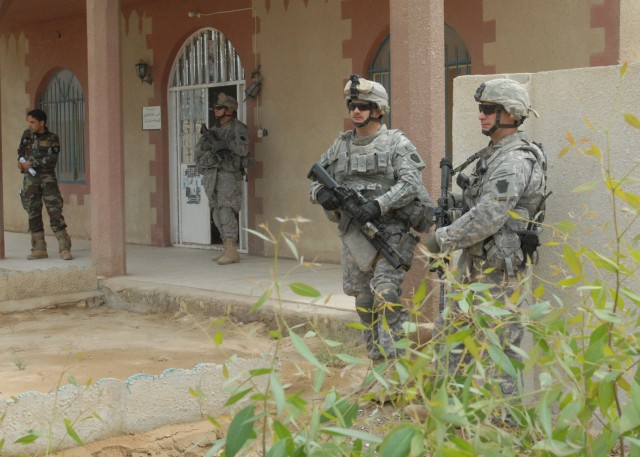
(368, 211)
(327, 199)
(432, 245)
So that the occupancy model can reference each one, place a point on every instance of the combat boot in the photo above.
(38, 247)
(230, 253)
(371, 342)
(64, 242)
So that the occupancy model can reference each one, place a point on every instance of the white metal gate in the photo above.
(207, 65)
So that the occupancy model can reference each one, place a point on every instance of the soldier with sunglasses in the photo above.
(497, 248)
(385, 168)
(221, 156)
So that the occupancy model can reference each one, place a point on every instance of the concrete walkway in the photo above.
(193, 269)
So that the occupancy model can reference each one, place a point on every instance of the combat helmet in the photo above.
(228, 101)
(363, 89)
(509, 94)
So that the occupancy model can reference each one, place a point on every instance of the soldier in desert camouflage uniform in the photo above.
(510, 175)
(221, 156)
(384, 166)
(37, 157)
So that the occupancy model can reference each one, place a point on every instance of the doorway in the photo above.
(206, 66)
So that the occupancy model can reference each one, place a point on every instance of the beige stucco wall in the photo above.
(302, 97)
(138, 153)
(566, 99)
(553, 34)
(629, 30)
(14, 98)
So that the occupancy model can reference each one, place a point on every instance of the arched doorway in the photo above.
(206, 65)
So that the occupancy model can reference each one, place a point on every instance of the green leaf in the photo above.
(292, 247)
(304, 290)
(277, 392)
(605, 397)
(565, 226)
(237, 397)
(28, 439)
(351, 360)
(217, 338)
(339, 431)
(572, 259)
(282, 432)
(632, 120)
(479, 287)
(398, 442)
(240, 431)
(630, 418)
(585, 187)
(279, 449)
(261, 300)
(72, 433)
(259, 235)
(607, 316)
(555, 447)
(304, 351)
(501, 360)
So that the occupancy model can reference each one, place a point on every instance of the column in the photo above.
(418, 98)
(106, 145)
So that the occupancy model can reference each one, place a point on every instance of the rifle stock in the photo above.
(350, 202)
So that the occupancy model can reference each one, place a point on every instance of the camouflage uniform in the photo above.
(385, 167)
(221, 157)
(511, 178)
(42, 151)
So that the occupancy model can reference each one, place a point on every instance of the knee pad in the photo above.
(227, 215)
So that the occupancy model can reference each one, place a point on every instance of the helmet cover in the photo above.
(372, 91)
(506, 92)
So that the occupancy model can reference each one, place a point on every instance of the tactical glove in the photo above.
(369, 211)
(327, 199)
(432, 245)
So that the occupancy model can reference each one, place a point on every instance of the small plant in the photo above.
(19, 362)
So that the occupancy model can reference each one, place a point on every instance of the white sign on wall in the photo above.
(151, 118)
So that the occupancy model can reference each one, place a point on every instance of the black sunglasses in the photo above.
(488, 109)
(365, 106)
(219, 107)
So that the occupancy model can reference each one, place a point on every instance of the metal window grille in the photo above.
(380, 70)
(63, 101)
(207, 57)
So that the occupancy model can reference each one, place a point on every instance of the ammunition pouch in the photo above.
(407, 246)
(419, 213)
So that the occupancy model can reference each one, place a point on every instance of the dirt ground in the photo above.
(40, 350)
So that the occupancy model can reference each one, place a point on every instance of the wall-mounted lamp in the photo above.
(144, 72)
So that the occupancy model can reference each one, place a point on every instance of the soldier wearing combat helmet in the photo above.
(509, 176)
(383, 166)
(221, 156)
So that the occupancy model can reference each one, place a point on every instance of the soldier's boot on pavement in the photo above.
(64, 243)
(38, 247)
(230, 253)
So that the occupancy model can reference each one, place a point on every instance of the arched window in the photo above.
(63, 101)
(380, 70)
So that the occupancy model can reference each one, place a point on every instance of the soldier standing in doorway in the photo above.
(221, 156)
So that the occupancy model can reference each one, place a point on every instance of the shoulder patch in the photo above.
(502, 185)
(416, 158)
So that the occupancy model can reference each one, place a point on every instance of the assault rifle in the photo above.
(350, 201)
(442, 213)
